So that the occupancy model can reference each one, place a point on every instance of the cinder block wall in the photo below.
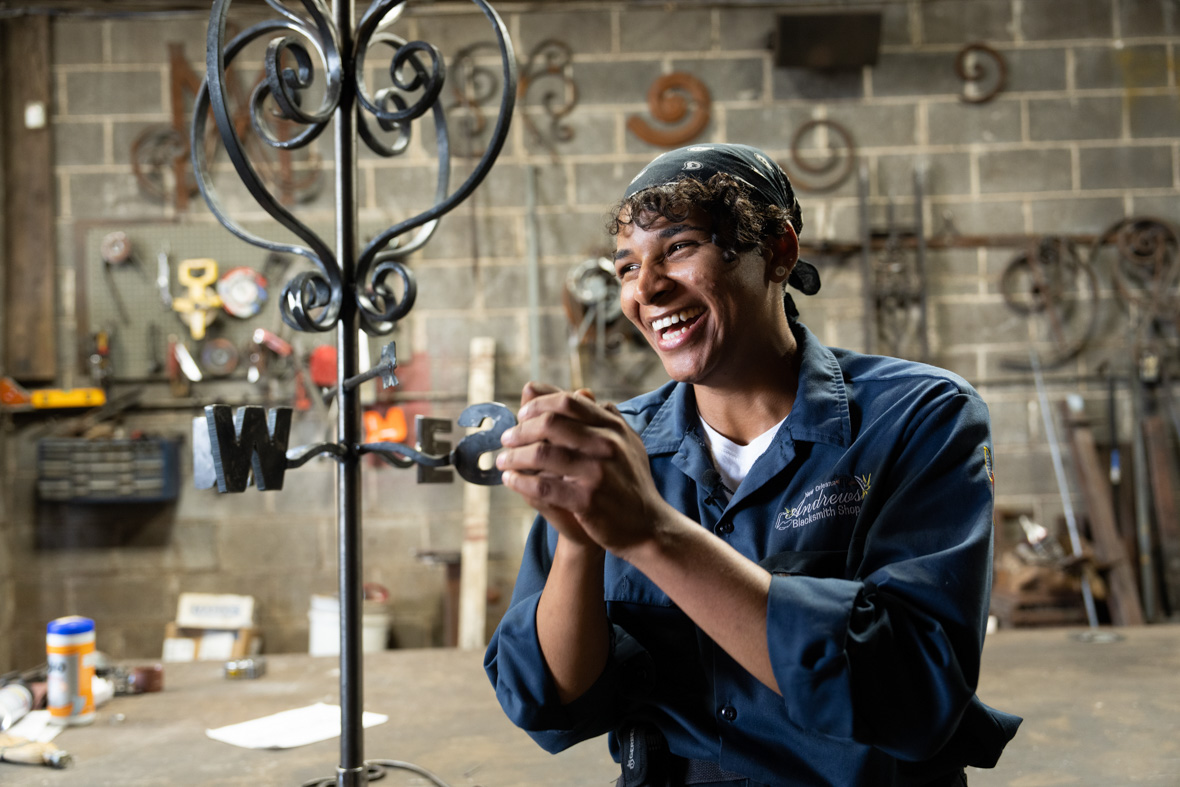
(1086, 131)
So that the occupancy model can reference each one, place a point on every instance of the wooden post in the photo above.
(473, 580)
(1161, 471)
(30, 331)
(1122, 593)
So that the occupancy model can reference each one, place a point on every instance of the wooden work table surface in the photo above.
(1095, 714)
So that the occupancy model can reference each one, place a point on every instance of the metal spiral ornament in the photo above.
(311, 301)
(969, 65)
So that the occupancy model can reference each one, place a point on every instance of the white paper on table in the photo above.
(290, 728)
(35, 726)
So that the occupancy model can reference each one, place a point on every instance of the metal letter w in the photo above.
(250, 439)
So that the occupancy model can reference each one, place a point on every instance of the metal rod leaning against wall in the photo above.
(350, 287)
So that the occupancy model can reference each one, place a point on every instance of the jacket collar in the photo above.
(820, 413)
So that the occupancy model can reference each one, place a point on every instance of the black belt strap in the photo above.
(707, 771)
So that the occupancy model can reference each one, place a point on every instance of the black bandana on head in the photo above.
(766, 180)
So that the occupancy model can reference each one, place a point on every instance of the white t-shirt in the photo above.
(733, 461)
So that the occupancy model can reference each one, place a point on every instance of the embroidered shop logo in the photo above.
(841, 496)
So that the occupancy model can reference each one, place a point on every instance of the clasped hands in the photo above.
(580, 465)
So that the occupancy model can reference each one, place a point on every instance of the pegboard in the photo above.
(124, 301)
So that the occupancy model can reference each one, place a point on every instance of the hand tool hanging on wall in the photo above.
(242, 291)
(199, 308)
(116, 253)
(164, 277)
(219, 357)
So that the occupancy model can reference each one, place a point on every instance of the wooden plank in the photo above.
(1160, 467)
(29, 248)
(1123, 594)
(473, 578)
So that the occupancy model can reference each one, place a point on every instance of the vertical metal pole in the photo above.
(920, 237)
(866, 260)
(530, 198)
(351, 771)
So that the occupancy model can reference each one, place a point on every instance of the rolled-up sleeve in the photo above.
(516, 667)
(890, 656)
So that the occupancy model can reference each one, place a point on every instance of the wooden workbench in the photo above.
(1095, 714)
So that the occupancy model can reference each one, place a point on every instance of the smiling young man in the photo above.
(773, 570)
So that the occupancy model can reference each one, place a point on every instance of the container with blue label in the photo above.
(69, 645)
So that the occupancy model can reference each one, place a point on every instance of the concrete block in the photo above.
(682, 30)
(616, 82)
(78, 143)
(1129, 68)
(593, 30)
(259, 546)
(450, 287)
(469, 231)
(580, 232)
(730, 79)
(1024, 170)
(1147, 19)
(959, 324)
(115, 93)
(1126, 167)
(1053, 20)
(955, 22)
(896, 27)
(506, 286)
(593, 133)
(769, 128)
(1010, 420)
(802, 83)
(878, 126)
(404, 191)
(748, 29)
(123, 598)
(959, 122)
(450, 336)
(77, 41)
(1163, 206)
(1082, 215)
(1154, 116)
(915, 74)
(452, 32)
(107, 196)
(1075, 118)
(602, 185)
(945, 173)
(504, 186)
(1035, 70)
(146, 40)
(1024, 472)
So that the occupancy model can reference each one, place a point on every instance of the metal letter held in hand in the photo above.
(348, 284)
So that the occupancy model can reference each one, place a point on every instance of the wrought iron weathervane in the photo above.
(350, 287)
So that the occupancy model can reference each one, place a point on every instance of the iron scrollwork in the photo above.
(982, 82)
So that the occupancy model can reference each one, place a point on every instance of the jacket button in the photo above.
(725, 528)
(729, 713)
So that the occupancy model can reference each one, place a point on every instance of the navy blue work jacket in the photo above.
(872, 509)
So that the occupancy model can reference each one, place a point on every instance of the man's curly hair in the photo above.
(739, 224)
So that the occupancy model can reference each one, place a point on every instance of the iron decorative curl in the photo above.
(312, 300)
(972, 71)
(379, 307)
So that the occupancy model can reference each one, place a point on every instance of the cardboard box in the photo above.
(207, 644)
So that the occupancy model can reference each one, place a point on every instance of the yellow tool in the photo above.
(199, 308)
(48, 398)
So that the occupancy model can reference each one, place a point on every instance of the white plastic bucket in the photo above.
(324, 629)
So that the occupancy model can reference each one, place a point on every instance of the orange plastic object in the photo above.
(387, 428)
